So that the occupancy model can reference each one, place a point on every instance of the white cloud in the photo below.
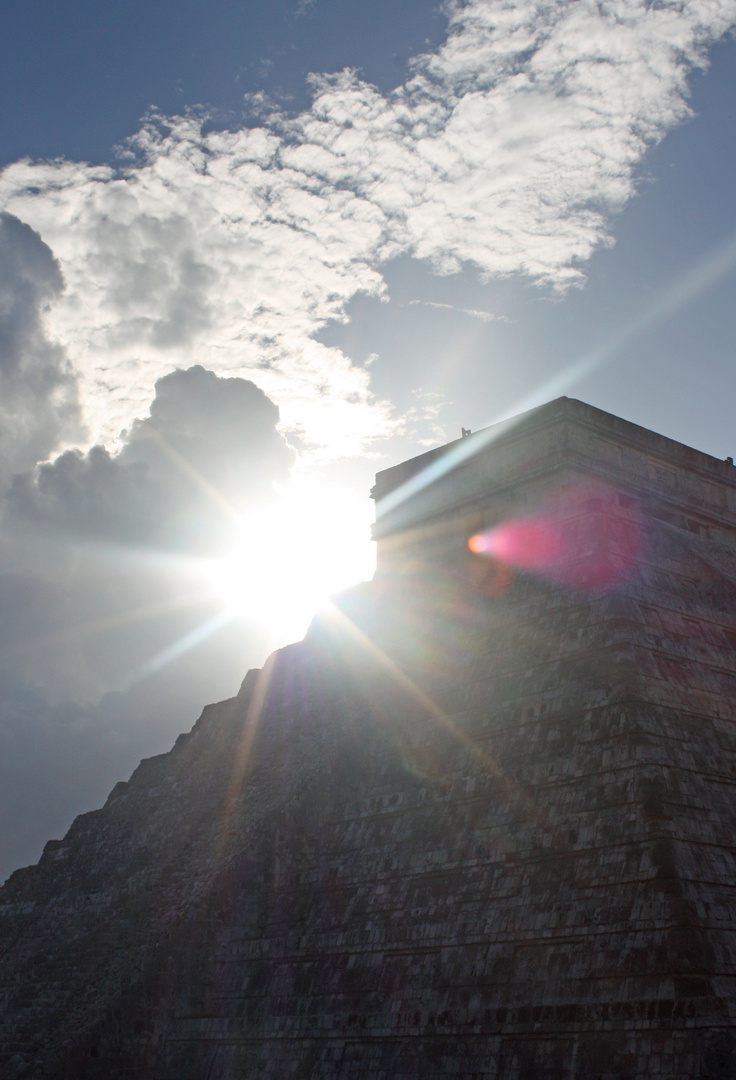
(474, 313)
(508, 148)
(234, 266)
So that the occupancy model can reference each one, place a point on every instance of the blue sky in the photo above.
(250, 254)
(75, 80)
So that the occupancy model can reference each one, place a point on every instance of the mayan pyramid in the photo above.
(480, 823)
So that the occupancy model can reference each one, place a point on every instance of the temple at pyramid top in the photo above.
(507, 468)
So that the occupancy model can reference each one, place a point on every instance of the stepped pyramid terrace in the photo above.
(479, 823)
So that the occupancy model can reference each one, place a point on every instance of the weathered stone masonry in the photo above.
(464, 829)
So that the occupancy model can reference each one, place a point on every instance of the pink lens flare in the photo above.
(588, 536)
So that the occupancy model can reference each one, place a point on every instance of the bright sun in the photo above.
(292, 554)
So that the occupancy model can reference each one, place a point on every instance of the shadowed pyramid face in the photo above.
(457, 831)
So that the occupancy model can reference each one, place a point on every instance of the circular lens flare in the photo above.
(588, 536)
(480, 544)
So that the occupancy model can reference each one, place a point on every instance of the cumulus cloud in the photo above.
(38, 404)
(220, 230)
(511, 144)
(508, 149)
(208, 448)
(101, 551)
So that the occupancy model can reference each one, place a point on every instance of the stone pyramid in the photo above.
(479, 823)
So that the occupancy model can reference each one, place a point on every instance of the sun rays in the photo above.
(291, 554)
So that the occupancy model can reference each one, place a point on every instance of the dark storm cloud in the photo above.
(38, 401)
(225, 429)
(103, 554)
(208, 448)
